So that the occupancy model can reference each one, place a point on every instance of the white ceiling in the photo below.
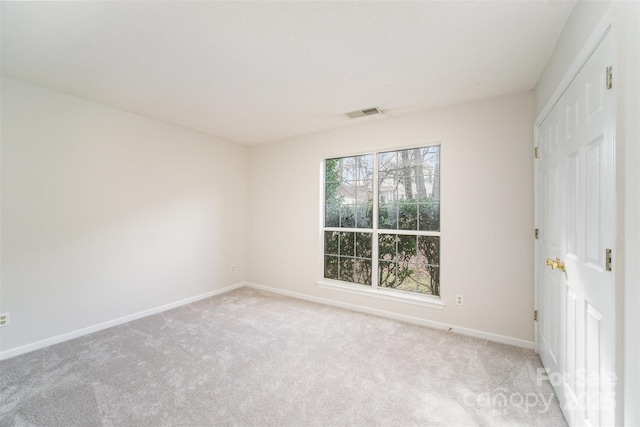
(254, 72)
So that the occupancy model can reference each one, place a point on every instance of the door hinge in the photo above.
(536, 152)
(608, 259)
(537, 233)
(609, 77)
(535, 315)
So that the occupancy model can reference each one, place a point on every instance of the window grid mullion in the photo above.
(374, 236)
(410, 232)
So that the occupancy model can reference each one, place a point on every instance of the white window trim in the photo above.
(395, 295)
(383, 293)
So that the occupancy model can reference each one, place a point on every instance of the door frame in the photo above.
(627, 19)
(604, 26)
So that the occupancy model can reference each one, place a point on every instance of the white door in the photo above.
(576, 330)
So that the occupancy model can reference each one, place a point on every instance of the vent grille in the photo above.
(365, 112)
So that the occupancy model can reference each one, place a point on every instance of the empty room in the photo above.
(320, 213)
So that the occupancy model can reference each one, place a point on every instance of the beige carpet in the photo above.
(250, 358)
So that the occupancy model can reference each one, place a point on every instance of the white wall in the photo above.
(106, 214)
(487, 210)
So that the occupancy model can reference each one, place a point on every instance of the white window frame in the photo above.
(374, 290)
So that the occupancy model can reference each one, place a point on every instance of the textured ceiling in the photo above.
(254, 72)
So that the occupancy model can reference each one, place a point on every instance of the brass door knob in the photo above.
(556, 263)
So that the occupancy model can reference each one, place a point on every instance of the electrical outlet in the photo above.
(233, 268)
(4, 319)
(459, 299)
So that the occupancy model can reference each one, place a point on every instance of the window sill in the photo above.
(387, 294)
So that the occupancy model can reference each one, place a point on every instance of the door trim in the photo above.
(603, 27)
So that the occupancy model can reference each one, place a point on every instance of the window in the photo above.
(382, 220)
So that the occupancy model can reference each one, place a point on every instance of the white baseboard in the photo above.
(95, 328)
(388, 314)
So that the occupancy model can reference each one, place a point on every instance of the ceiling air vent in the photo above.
(365, 112)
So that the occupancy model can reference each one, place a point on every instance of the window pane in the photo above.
(331, 242)
(362, 272)
(346, 269)
(409, 176)
(332, 193)
(429, 250)
(347, 216)
(407, 251)
(408, 216)
(388, 216)
(364, 192)
(348, 171)
(387, 177)
(431, 169)
(429, 259)
(387, 274)
(331, 267)
(347, 244)
(387, 246)
(363, 245)
(406, 263)
(332, 170)
(407, 277)
(332, 215)
(429, 216)
(348, 256)
(365, 167)
(349, 192)
(364, 215)
(427, 281)
(406, 169)
(332, 188)
(387, 191)
(387, 164)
